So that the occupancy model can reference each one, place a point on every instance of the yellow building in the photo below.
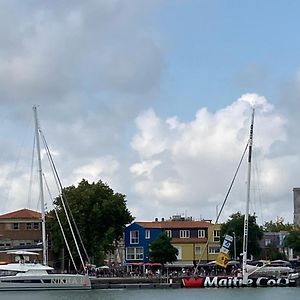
(195, 240)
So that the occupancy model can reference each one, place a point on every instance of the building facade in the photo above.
(19, 229)
(195, 240)
(296, 192)
(273, 242)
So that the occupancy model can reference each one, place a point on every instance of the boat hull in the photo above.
(45, 282)
(223, 281)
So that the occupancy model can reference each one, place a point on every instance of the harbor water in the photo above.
(287, 293)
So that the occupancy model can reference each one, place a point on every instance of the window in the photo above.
(213, 250)
(28, 226)
(268, 242)
(36, 226)
(147, 234)
(197, 250)
(184, 234)
(201, 233)
(216, 235)
(15, 226)
(135, 253)
(134, 237)
(139, 253)
(168, 233)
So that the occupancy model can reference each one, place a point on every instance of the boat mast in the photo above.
(245, 239)
(40, 172)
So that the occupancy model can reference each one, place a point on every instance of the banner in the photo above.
(222, 260)
(226, 244)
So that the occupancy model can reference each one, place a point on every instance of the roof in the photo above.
(22, 214)
(169, 224)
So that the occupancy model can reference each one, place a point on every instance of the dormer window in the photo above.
(201, 233)
(184, 234)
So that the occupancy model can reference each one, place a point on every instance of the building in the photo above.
(19, 229)
(273, 242)
(296, 192)
(195, 240)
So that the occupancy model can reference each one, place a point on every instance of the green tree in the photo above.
(293, 240)
(161, 250)
(235, 227)
(100, 215)
(277, 226)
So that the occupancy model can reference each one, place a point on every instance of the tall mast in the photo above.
(40, 173)
(245, 239)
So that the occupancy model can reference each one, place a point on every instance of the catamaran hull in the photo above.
(46, 282)
(219, 281)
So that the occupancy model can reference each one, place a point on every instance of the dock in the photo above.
(134, 283)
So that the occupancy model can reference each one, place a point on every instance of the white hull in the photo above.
(45, 282)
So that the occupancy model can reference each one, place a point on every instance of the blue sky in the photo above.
(153, 97)
(218, 50)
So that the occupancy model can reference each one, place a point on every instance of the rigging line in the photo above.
(57, 184)
(259, 188)
(231, 184)
(20, 151)
(63, 198)
(31, 175)
(54, 170)
(60, 225)
(224, 202)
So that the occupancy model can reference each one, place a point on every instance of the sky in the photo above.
(154, 98)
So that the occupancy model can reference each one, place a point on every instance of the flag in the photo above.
(222, 260)
(226, 244)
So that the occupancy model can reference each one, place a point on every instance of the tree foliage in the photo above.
(235, 227)
(277, 226)
(99, 213)
(161, 250)
(293, 240)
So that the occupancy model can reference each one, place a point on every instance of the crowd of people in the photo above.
(151, 272)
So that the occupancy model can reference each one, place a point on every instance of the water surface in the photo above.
(157, 294)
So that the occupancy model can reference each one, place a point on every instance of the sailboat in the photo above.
(246, 280)
(36, 276)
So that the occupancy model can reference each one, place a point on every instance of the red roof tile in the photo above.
(22, 214)
(174, 224)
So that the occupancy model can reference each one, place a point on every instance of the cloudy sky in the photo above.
(154, 98)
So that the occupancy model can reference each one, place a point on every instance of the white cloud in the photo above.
(95, 66)
(198, 158)
(145, 167)
(103, 167)
(150, 141)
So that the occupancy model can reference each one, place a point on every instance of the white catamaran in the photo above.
(35, 276)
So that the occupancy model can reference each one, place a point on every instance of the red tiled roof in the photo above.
(174, 224)
(22, 214)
